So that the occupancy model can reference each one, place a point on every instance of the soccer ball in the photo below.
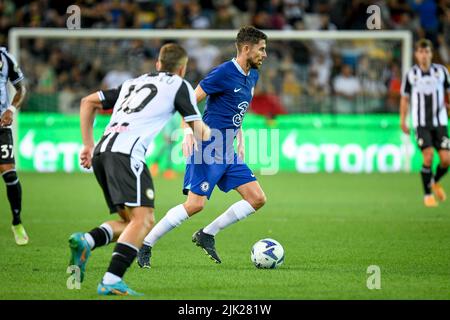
(267, 254)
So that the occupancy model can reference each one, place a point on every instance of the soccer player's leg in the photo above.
(425, 143)
(199, 182)
(240, 178)
(13, 186)
(128, 244)
(81, 244)
(443, 147)
(131, 185)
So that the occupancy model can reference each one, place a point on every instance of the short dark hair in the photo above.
(171, 56)
(249, 34)
(423, 43)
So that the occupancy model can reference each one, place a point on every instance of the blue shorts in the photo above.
(202, 178)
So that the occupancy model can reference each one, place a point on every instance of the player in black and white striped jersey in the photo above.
(424, 87)
(10, 72)
(141, 107)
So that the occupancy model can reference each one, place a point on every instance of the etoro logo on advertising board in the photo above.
(349, 157)
(50, 156)
(52, 144)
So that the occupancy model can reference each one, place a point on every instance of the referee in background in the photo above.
(424, 87)
(10, 71)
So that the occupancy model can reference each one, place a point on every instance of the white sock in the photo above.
(110, 278)
(105, 227)
(89, 240)
(109, 230)
(238, 211)
(173, 218)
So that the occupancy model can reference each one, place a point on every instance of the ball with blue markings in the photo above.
(267, 254)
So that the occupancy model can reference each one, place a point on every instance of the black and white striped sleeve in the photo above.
(109, 97)
(186, 103)
(15, 74)
(446, 79)
(406, 86)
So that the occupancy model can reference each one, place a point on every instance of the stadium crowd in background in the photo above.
(299, 77)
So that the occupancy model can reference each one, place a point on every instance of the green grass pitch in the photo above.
(332, 226)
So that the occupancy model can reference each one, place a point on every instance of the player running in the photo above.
(141, 108)
(229, 88)
(425, 86)
(9, 70)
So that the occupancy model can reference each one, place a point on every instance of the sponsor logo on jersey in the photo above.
(116, 129)
(237, 118)
(420, 142)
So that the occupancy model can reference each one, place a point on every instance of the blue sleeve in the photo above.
(214, 82)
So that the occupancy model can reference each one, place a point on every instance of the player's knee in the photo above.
(194, 207)
(445, 160)
(148, 221)
(258, 200)
(427, 159)
(10, 177)
(123, 214)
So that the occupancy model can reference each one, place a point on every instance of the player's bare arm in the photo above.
(241, 144)
(404, 102)
(88, 107)
(7, 117)
(189, 142)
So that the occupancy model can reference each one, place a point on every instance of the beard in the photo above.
(253, 64)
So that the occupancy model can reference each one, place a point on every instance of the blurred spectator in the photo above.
(115, 78)
(266, 102)
(224, 18)
(394, 86)
(304, 74)
(321, 68)
(193, 75)
(47, 79)
(427, 11)
(204, 53)
(196, 18)
(346, 87)
(179, 15)
(291, 92)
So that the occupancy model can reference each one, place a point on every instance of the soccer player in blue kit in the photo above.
(229, 88)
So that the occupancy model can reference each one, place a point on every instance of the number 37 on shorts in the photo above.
(6, 152)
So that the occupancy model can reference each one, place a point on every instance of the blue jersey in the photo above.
(230, 92)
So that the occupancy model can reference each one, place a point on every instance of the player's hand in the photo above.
(404, 127)
(7, 118)
(241, 151)
(86, 157)
(189, 144)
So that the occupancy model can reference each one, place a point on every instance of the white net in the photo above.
(310, 74)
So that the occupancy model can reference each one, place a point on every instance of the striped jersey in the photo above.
(141, 107)
(9, 71)
(426, 92)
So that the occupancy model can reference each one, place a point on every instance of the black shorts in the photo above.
(433, 137)
(124, 181)
(6, 146)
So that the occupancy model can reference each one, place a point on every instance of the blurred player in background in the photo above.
(424, 87)
(141, 108)
(229, 88)
(163, 161)
(9, 70)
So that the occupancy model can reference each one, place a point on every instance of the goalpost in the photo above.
(16, 35)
